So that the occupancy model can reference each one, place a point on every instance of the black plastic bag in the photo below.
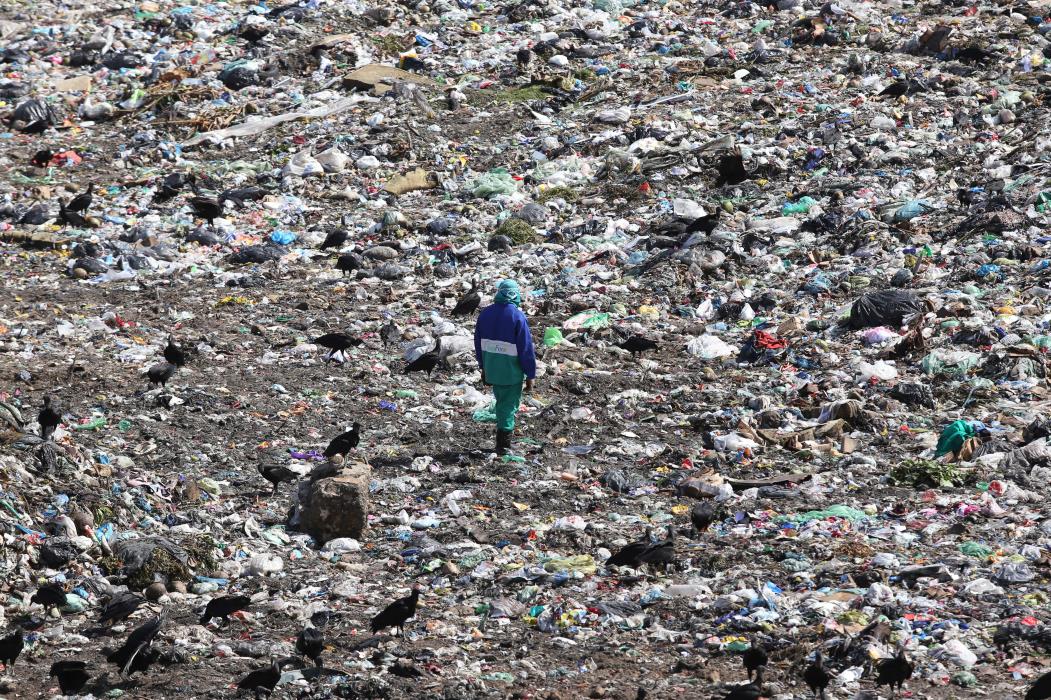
(34, 110)
(914, 394)
(889, 307)
(255, 255)
(239, 77)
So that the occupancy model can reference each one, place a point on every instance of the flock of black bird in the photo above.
(138, 653)
(207, 203)
(174, 358)
(893, 672)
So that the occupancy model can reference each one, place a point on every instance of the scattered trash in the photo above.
(787, 275)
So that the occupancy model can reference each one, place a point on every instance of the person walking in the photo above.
(503, 347)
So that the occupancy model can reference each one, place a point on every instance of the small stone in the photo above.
(1007, 116)
(178, 587)
(154, 591)
(80, 273)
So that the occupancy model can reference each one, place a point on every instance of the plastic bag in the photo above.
(836, 511)
(552, 337)
(303, 164)
(33, 111)
(877, 335)
(949, 362)
(880, 370)
(564, 172)
(137, 553)
(620, 481)
(911, 210)
(587, 320)
(733, 442)
(955, 652)
(800, 206)
(953, 437)
(340, 545)
(709, 347)
(889, 307)
(569, 522)
(914, 394)
(1013, 572)
(494, 182)
(981, 587)
(485, 415)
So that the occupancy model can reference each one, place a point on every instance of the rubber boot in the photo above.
(503, 441)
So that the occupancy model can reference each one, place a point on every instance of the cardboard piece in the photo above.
(378, 78)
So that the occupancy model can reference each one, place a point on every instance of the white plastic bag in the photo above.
(709, 347)
(880, 370)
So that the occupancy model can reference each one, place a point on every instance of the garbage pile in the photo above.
(786, 272)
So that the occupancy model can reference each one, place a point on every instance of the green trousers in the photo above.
(508, 397)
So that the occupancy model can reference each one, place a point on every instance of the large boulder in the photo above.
(336, 502)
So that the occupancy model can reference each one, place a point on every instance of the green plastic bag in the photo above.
(954, 363)
(496, 181)
(587, 320)
(552, 337)
(836, 511)
(953, 437)
(485, 415)
(800, 206)
(976, 549)
(93, 424)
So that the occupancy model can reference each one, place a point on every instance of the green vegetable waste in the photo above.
(924, 472)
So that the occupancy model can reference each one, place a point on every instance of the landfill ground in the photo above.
(446, 636)
(830, 218)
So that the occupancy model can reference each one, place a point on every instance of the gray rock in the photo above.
(338, 505)
(381, 252)
(390, 271)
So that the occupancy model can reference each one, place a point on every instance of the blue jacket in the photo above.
(503, 345)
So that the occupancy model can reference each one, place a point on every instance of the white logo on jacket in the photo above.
(499, 347)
